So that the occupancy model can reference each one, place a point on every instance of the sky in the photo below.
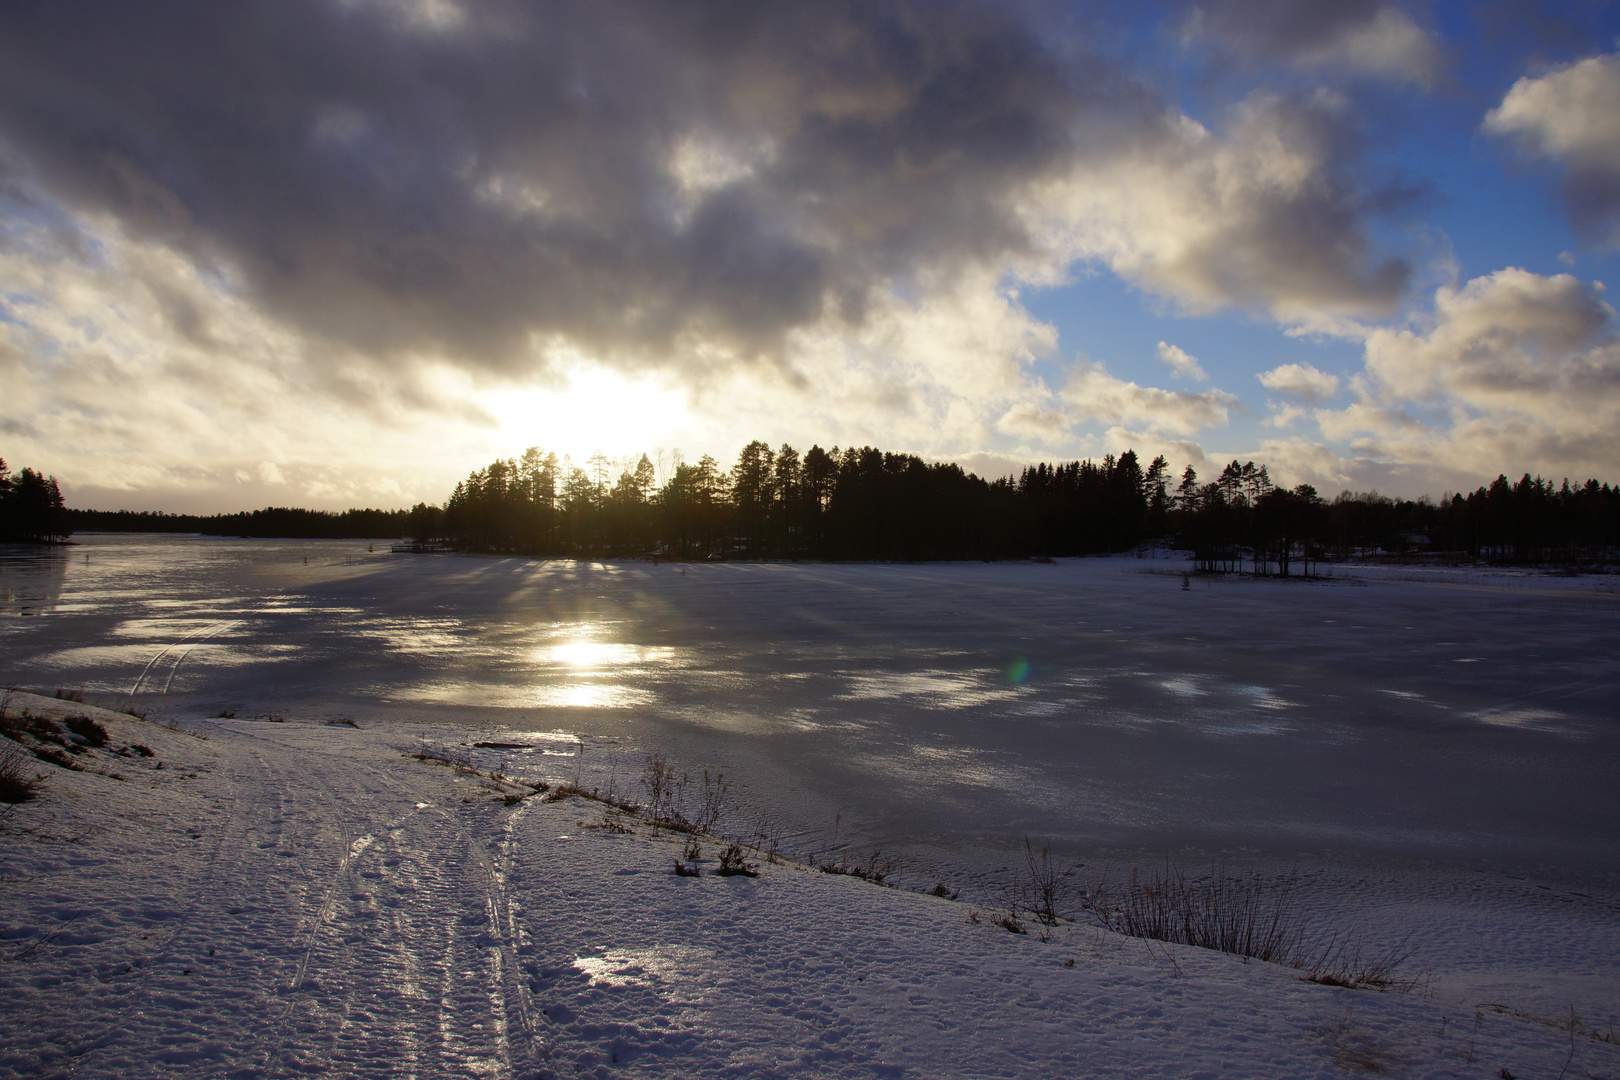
(340, 253)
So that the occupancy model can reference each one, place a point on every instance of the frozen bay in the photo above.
(934, 709)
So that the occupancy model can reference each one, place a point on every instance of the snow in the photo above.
(291, 899)
(299, 897)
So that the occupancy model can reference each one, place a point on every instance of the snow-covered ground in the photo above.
(300, 899)
(1424, 750)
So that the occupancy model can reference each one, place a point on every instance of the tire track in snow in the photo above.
(157, 964)
(194, 639)
(464, 1004)
(191, 640)
(396, 955)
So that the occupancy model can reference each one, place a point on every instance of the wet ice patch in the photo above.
(1528, 719)
(163, 627)
(1183, 687)
(1262, 697)
(1239, 726)
(933, 689)
(423, 637)
(594, 695)
(552, 743)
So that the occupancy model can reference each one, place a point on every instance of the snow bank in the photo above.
(288, 899)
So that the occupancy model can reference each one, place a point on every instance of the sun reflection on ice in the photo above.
(585, 655)
(581, 670)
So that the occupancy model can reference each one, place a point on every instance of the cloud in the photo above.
(1572, 115)
(1259, 216)
(1359, 36)
(682, 187)
(1092, 394)
(1284, 416)
(1301, 382)
(1514, 371)
(653, 184)
(1182, 363)
(148, 383)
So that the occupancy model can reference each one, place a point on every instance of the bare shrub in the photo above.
(732, 863)
(1046, 888)
(86, 729)
(1010, 923)
(17, 780)
(875, 869)
(1239, 915)
(457, 759)
(658, 781)
(712, 807)
(608, 824)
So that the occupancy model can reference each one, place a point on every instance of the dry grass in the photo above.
(1246, 915)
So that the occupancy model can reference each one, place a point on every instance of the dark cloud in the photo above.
(417, 176)
(1281, 29)
(1370, 37)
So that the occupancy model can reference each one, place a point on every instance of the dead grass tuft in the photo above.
(1248, 916)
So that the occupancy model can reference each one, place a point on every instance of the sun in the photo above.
(594, 410)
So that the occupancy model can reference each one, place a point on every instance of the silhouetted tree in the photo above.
(31, 508)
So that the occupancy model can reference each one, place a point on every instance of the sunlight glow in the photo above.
(592, 410)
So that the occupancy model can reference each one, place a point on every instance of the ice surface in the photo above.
(943, 710)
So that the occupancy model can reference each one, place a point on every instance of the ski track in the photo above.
(332, 925)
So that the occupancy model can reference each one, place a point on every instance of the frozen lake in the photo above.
(1463, 719)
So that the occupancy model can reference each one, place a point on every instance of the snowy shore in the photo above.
(300, 898)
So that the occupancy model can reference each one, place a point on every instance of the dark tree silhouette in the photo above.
(865, 503)
(31, 508)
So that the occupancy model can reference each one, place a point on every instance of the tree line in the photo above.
(864, 503)
(272, 521)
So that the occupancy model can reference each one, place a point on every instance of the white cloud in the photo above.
(151, 382)
(148, 381)
(1516, 371)
(1257, 217)
(1284, 416)
(1300, 381)
(1093, 394)
(1572, 114)
(1181, 362)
